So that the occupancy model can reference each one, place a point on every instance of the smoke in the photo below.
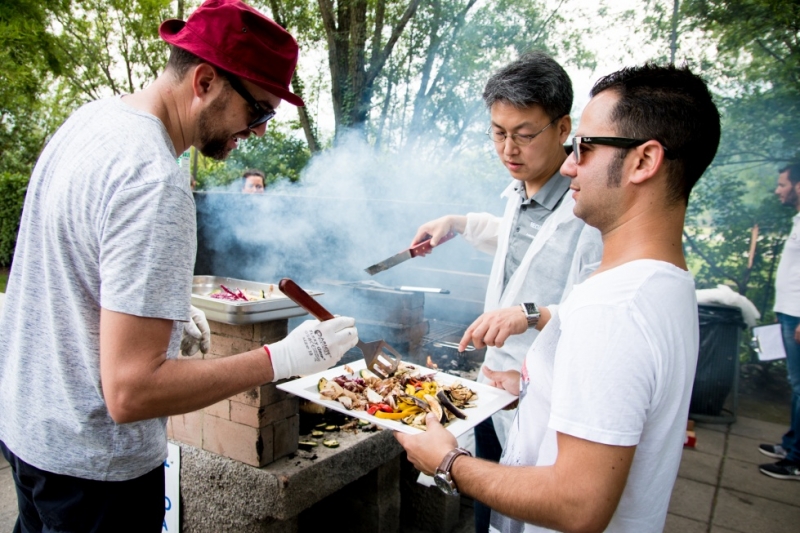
(352, 208)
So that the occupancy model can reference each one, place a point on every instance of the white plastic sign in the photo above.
(172, 476)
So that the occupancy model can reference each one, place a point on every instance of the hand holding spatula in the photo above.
(420, 249)
(382, 359)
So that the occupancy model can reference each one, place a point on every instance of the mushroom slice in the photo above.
(436, 408)
(346, 401)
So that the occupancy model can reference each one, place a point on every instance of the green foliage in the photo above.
(27, 58)
(12, 197)
(280, 155)
(725, 206)
(757, 66)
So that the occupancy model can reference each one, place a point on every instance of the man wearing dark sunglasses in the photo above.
(540, 248)
(100, 290)
(605, 388)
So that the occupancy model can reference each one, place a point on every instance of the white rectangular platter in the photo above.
(490, 399)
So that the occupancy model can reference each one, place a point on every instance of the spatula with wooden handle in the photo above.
(382, 360)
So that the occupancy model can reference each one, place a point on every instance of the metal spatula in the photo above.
(382, 359)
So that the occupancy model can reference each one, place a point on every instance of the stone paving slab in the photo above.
(709, 441)
(679, 524)
(746, 449)
(758, 429)
(745, 478)
(692, 499)
(746, 513)
(8, 496)
(699, 466)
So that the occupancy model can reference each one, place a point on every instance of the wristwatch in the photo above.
(442, 476)
(531, 313)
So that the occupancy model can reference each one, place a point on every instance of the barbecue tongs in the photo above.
(382, 360)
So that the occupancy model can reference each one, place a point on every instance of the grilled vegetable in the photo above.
(306, 444)
(447, 404)
(331, 443)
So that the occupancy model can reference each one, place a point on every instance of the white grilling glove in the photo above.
(196, 333)
(312, 346)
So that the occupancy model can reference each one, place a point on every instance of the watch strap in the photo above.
(449, 459)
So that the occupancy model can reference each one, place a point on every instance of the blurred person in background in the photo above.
(100, 291)
(540, 248)
(787, 310)
(253, 181)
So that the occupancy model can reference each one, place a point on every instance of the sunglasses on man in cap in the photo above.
(262, 115)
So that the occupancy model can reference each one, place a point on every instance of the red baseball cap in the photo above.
(233, 36)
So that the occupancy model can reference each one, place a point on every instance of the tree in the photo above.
(353, 69)
(747, 51)
(758, 63)
(443, 61)
(28, 60)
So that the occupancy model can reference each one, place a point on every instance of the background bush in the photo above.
(12, 196)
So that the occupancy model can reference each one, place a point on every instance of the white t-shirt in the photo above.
(108, 221)
(787, 279)
(615, 365)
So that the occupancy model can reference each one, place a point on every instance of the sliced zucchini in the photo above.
(331, 443)
(306, 444)
(331, 427)
(317, 433)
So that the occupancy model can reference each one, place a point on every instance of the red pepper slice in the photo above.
(374, 408)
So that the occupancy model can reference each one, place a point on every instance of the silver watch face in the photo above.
(531, 309)
(440, 478)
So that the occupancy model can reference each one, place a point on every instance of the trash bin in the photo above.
(717, 364)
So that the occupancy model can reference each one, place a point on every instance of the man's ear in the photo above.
(203, 77)
(648, 163)
(564, 126)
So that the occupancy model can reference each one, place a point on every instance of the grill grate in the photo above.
(439, 330)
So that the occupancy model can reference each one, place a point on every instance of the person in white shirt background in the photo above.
(787, 310)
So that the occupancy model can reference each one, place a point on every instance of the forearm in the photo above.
(481, 231)
(530, 494)
(178, 386)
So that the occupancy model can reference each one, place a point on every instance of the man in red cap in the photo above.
(100, 290)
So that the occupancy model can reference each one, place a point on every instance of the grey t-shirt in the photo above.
(109, 221)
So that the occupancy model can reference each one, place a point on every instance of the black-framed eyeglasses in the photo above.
(517, 138)
(618, 142)
(262, 115)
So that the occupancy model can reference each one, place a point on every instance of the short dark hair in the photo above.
(673, 106)
(180, 61)
(534, 78)
(253, 172)
(794, 172)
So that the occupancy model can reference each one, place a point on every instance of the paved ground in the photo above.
(719, 488)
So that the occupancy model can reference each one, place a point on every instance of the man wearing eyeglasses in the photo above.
(604, 392)
(540, 248)
(100, 289)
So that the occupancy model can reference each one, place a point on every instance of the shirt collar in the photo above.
(550, 193)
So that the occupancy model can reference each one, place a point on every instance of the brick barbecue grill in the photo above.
(241, 469)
